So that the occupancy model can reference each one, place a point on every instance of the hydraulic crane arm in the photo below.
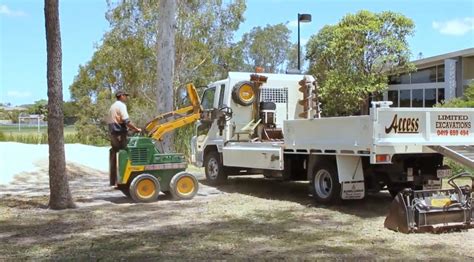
(170, 121)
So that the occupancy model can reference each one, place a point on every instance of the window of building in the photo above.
(393, 96)
(440, 76)
(405, 97)
(405, 79)
(394, 80)
(417, 98)
(427, 75)
(430, 97)
(440, 95)
(399, 79)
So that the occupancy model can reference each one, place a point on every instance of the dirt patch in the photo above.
(246, 218)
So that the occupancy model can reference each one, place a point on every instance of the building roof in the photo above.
(434, 60)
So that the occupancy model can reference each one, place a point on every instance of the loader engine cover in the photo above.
(433, 211)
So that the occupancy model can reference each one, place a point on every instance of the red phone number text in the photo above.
(452, 132)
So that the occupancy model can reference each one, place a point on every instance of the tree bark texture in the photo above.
(165, 65)
(60, 195)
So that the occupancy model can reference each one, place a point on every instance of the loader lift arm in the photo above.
(170, 121)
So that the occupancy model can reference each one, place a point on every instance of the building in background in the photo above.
(437, 79)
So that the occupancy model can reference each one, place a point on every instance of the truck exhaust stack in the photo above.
(435, 211)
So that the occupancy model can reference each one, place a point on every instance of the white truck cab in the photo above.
(281, 89)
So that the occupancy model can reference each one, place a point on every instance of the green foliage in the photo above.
(13, 115)
(40, 107)
(126, 59)
(466, 101)
(71, 111)
(352, 59)
(292, 58)
(29, 135)
(267, 47)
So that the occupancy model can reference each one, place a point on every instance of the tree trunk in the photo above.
(364, 107)
(60, 195)
(165, 65)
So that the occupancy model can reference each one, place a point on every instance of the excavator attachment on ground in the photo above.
(436, 211)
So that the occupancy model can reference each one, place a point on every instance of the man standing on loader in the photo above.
(118, 123)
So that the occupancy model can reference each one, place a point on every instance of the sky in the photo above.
(442, 26)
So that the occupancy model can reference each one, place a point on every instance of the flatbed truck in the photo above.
(271, 124)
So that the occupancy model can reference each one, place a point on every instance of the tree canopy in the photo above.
(126, 58)
(466, 101)
(267, 47)
(353, 58)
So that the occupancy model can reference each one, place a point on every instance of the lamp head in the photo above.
(304, 18)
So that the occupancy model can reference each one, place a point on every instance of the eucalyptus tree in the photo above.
(353, 58)
(60, 195)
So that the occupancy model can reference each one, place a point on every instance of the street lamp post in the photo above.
(303, 18)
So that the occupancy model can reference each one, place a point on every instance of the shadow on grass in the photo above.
(24, 204)
(373, 205)
(257, 237)
(231, 239)
(121, 198)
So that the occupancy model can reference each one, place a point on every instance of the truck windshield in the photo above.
(207, 100)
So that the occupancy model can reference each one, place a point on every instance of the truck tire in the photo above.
(183, 186)
(145, 188)
(325, 184)
(215, 173)
(243, 93)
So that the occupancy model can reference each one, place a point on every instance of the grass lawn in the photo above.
(31, 129)
(30, 134)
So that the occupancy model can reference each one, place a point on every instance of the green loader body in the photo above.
(142, 171)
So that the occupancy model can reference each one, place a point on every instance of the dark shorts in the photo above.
(118, 141)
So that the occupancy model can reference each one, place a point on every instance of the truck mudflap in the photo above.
(435, 211)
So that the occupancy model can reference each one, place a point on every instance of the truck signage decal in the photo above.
(403, 125)
(452, 125)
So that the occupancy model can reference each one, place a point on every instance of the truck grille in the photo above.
(274, 94)
(139, 155)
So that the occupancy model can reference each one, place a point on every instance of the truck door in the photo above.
(202, 126)
(207, 131)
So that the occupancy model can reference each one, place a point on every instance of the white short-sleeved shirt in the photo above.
(117, 118)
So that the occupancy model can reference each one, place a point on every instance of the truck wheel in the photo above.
(184, 186)
(325, 183)
(214, 169)
(144, 188)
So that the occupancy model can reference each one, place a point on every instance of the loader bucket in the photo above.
(433, 211)
(397, 218)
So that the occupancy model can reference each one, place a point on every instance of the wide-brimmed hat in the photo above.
(121, 93)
